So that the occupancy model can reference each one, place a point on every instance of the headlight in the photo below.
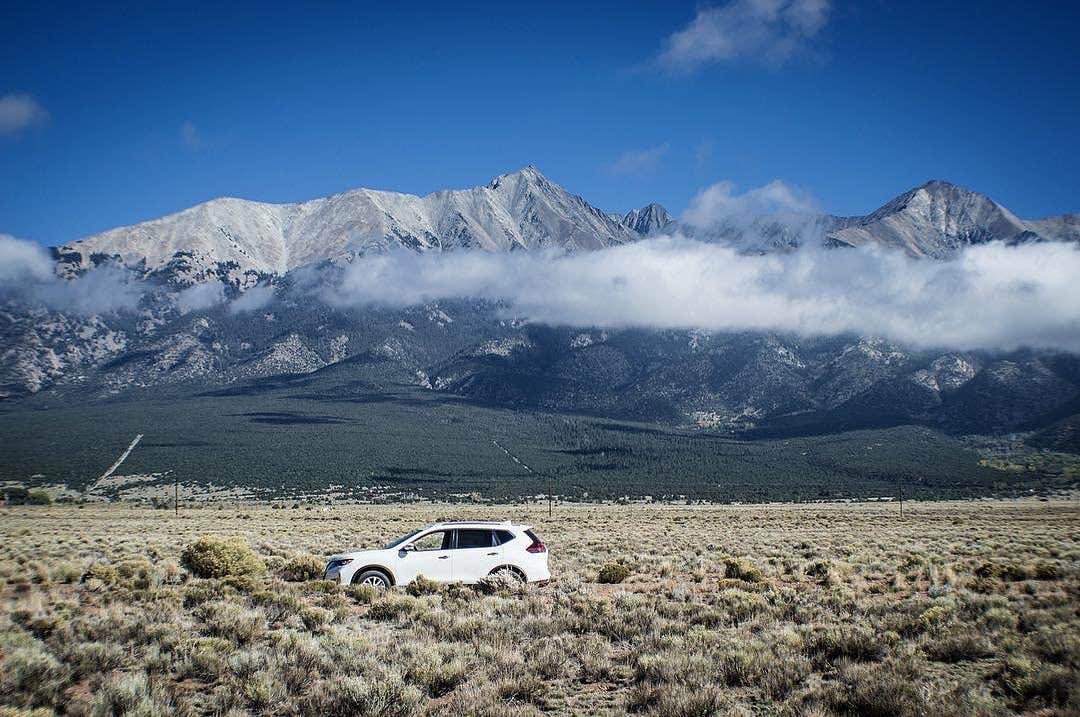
(337, 564)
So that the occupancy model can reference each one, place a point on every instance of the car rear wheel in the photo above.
(374, 578)
(508, 573)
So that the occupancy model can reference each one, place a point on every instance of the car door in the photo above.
(428, 555)
(476, 554)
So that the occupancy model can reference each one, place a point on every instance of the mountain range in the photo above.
(237, 240)
(741, 382)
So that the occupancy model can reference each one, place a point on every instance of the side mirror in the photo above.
(408, 548)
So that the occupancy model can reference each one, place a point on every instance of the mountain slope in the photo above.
(934, 220)
(234, 238)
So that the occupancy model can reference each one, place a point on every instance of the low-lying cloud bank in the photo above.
(990, 297)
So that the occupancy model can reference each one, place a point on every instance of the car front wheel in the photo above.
(374, 578)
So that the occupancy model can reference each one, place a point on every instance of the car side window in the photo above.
(474, 538)
(438, 540)
(503, 536)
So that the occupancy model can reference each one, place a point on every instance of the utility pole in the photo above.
(549, 495)
(176, 494)
(900, 482)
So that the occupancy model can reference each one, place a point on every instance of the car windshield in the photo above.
(402, 539)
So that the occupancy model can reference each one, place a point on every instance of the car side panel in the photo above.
(434, 565)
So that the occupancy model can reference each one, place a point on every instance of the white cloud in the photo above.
(18, 112)
(22, 261)
(990, 297)
(769, 31)
(254, 299)
(189, 135)
(199, 296)
(639, 161)
(26, 274)
(721, 202)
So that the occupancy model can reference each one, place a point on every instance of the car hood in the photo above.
(358, 555)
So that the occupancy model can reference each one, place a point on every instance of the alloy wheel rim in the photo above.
(374, 581)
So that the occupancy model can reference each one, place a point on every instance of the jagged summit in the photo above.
(935, 220)
(648, 220)
(528, 174)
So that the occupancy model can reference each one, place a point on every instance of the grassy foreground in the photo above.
(958, 609)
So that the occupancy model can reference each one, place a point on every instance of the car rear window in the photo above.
(474, 538)
(503, 536)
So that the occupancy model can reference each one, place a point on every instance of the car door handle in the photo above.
(443, 557)
(492, 553)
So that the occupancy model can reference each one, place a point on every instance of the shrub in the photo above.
(677, 700)
(872, 691)
(934, 615)
(125, 695)
(363, 594)
(214, 557)
(499, 585)
(1058, 646)
(30, 671)
(856, 643)
(422, 586)
(38, 497)
(391, 607)
(350, 696)
(1015, 572)
(277, 606)
(231, 621)
(819, 569)
(960, 647)
(1048, 571)
(301, 568)
(742, 569)
(315, 618)
(438, 672)
(613, 573)
(103, 572)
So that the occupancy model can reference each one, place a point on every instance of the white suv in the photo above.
(453, 551)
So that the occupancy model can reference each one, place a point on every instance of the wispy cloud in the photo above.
(636, 162)
(189, 135)
(769, 31)
(19, 112)
(254, 299)
(199, 297)
(721, 202)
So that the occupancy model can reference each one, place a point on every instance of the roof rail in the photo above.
(473, 522)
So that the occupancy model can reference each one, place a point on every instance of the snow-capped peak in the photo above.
(519, 210)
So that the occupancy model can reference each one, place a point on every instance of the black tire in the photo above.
(375, 578)
(508, 571)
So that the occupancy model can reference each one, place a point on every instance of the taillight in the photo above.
(537, 545)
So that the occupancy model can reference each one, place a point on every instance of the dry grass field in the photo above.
(957, 609)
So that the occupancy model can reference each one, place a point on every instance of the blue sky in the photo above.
(110, 117)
